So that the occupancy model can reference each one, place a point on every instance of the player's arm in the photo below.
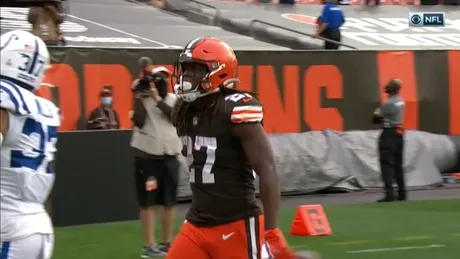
(247, 120)
(260, 155)
(11, 101)
(48, 202)
(4, 123)
(52, 164)
(246, 117)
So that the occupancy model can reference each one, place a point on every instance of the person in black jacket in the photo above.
(104, 117)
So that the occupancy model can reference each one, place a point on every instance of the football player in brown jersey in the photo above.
(225, 144)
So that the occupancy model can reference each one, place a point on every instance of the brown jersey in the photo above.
(221, 179)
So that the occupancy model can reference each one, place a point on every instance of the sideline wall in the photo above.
(301, 91)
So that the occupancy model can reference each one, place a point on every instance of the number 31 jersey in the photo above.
(26, 151)
(221, 178)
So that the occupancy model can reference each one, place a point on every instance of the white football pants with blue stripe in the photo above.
(36, 246)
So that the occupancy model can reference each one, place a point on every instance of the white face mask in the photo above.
(107, 101)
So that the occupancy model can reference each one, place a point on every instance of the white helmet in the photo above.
(24, 57)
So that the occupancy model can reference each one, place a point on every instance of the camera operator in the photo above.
(156, 146)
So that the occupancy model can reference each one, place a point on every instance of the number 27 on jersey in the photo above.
(203, 145)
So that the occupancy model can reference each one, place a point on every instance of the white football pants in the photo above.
(37, 246)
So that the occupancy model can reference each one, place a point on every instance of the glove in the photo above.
(278, 245)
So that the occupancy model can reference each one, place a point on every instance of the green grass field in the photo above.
(418, 229)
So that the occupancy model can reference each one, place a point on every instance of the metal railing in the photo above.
(252, 28)
(216, 15)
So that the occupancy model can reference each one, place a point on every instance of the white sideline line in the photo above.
(163, 45)
(394, 249)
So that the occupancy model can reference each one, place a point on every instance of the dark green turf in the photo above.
(355, 227)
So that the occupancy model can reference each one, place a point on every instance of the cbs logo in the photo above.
(416, 19)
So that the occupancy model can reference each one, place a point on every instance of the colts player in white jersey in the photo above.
(28, 142)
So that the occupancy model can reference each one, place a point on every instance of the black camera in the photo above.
(158, 77)
(144, 85)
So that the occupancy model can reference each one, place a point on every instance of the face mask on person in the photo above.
(107, 101)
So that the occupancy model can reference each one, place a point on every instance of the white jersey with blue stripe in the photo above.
(27, 149)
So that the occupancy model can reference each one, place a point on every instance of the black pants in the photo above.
(332, 35)
(166, 173)
(391, 145)
(285, 1)
(377, 2)
(428, 2)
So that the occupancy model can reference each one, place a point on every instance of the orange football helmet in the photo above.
(205, 65)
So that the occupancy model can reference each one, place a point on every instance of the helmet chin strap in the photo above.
(192, 96)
